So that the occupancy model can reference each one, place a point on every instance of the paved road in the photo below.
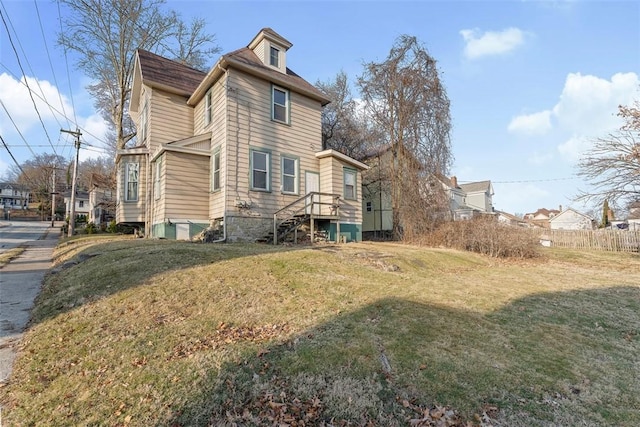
(20, 282)
(16, 233)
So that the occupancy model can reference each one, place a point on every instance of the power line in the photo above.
(85, 131)
(46, 47)
(26, 82)
(17, 129)
(66, 61)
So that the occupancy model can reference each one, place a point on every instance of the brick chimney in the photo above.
(454, 182)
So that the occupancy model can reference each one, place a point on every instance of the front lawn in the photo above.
(140, 333)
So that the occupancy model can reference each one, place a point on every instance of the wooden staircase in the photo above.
(301, 212)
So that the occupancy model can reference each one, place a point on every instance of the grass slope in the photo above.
(147, 333)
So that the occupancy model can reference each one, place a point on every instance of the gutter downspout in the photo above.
(226, 169)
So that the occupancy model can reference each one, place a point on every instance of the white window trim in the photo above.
(126, 183)
(345, 172)
(216, 186)
(271, 49)
(267, 153)
(296, 174)
(286, 106)
(208, 108)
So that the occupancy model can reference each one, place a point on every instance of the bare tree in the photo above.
(612, 165)
(106, 33)
(343, 129)
(37, 175)
(408, 105)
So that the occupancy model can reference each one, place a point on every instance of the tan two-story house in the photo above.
(238, 148)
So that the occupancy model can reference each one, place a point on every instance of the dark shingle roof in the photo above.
(246, 57)
(169, 74)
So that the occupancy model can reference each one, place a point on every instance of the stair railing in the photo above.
(313, 203)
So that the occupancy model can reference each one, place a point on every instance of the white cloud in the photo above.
(480, 44)
(94, 132)
(531, 124)
(587, 109)
(15, 96)
(574, 147)
(588, 104)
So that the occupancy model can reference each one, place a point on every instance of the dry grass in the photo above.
(167, 333)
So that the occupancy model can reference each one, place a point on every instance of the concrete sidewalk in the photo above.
(20, 283)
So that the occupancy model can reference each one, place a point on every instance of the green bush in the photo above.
(112, 227)
(487, 236)
(91, 228)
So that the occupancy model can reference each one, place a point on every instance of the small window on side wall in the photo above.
(369, 207)
(215, 171)
(289, 175)
(260, 170)
(274, 57)
(208, 114)
(350, 184)
(280, 105)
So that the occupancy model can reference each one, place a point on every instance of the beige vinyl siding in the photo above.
(216, 198)
(218, 112)
(159, 203)
(186, 188)
(132, 211)
(332, 181)
(170, 118)
(250, 126)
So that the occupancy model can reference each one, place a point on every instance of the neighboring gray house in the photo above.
(469, 199)
(570, 219)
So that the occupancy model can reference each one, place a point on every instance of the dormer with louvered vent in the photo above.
(271, 48)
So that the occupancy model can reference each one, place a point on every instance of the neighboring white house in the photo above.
(13, 196)
(82, 203)
(508, 219)
(570, 219)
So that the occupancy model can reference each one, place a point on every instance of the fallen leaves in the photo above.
(228, 335)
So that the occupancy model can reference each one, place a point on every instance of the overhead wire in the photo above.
(35, 106)
(84, 130)
(66, 61)
(17, 128)
(53, 73)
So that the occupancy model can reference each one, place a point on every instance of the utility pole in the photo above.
(53, 198)
(72, 214)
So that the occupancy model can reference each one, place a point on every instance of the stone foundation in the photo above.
(247, 229)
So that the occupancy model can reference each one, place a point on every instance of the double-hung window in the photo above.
(208, 113)
(131, 182)
(280, 104)
(260, 170)
(289, 169)
(274, 57)
(349, 184)
(215, 170)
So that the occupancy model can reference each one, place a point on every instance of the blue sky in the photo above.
(531, 83)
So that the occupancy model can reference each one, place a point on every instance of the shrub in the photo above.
(113, 227)
(486, 236)
(91, 228)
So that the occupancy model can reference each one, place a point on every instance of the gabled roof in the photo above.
(246, 60)
(473, 187)
(268, 33)
(164, 73)
(566, 211)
